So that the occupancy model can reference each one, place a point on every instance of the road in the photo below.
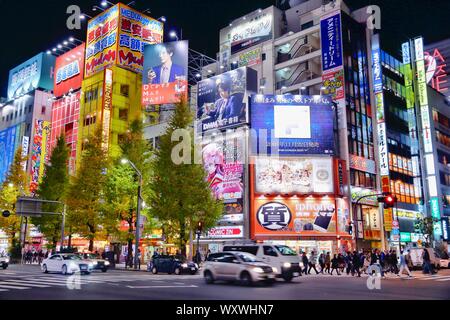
(29, 283)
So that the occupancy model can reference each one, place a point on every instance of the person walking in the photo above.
(335, 265)
(327, 262)
(348, 262)
(322, 262)
(356, 260)
(305, 263)
(404, 265)
(394, 262)
(313, 262)
(427, 267)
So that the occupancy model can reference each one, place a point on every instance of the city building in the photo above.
(69, 71)
(25, 117)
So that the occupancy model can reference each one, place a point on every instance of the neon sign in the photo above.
(436, 73)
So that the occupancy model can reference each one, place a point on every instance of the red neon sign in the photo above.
(436, 73)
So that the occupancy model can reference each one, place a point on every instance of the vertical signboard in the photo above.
(7, 150)
(330, 30)
(107, 106)
(38, 153)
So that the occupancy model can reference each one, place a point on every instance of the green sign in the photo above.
(435, 210)
(405, 237)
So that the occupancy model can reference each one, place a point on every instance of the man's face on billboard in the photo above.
(165, 56)
(224, 94)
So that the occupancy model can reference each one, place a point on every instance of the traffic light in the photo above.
(350, 229)
(388, 200)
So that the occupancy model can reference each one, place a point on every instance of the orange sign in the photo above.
(164, 93)
(294, 216)
(388, 219)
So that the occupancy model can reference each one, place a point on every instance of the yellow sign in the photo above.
(388, 219)
(107, 97)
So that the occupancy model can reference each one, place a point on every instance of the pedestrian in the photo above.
(356, 260)
(366, 262)
(403, 265)
(348, 262)
(427, 267)
(409, 260)
(305, 263)
(335, 265)
(313, 262)
(394, 262)
(207, 254)
(327, 262)
(322, 262)
(341, 262)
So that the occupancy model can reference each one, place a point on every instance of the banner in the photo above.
(333, 81)
(294, 176)
(7, 150)
(294, 217)
(330, 29)
(220, 99)
(165, 73)
(292, 125)
(69, 70)
(38, 153)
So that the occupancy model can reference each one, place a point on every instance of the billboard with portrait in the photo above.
(221, 99)
(292, 125)
(165, 73)
(294, 176)
(294, 217)
(224, 163)
(69, 70)
(32, 74)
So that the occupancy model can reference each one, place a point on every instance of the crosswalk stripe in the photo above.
(442, 280)
(42, 282)
(432, 277)
(13, 287)
(21, 283)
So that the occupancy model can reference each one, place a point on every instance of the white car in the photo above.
(237, 266)
(4, 262)
(66, 263)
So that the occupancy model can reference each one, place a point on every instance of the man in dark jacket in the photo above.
(305, 263)
(356, 264)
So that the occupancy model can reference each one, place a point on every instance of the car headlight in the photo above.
(7, 260)
(106, 263)
(91, 265)
(287, 265)
(94, 263)
(275, 270)
(258, 270)
(184, 265)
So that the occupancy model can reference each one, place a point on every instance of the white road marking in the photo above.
(40, 282)
(13, 287)
(160, 287)
(21, 283)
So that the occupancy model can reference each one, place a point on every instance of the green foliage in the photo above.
(54, 186)
(180, 194)
(85, 196)
(15, 185)
(425, 226)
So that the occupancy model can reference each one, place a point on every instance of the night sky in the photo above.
(31, 26)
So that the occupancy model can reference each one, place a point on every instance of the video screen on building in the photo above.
(292, 125)
(165, 79)
(221, 99)
(293, 176)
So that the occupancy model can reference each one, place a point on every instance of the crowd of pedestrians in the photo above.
(359, 262)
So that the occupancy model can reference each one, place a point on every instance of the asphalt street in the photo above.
(29, 283)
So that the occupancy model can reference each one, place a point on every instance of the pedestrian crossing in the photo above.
(20, 281)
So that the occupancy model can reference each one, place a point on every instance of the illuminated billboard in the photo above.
(330, 29)
(252, 32)
(437, 67)
(8, 144)
(35, 73)
(292, 124)
(118, 36)
(294, 217)
(38, 153)
(293, 176)
(165, 73)
(69, 70)
(221, 99)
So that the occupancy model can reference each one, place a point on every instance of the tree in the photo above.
(15, 185)
(122, 184)
(54, 186)
(426, 227)
(85, 196)
(180, 195)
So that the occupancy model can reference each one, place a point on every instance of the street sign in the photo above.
(32, 207)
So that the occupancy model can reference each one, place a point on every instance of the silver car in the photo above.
(237, 266)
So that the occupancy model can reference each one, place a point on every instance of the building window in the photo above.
(89, 120)
(123, 114)
(307, 25)
(125, 90)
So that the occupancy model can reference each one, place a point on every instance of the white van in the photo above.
(417, 260)
(284, 260)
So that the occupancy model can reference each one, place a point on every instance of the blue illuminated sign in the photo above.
(331, 38)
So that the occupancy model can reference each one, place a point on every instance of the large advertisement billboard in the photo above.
(294, 217)
(224, 163)
(36, 72)
(69, 70)
(330, 31)
(165, 73)
(437, 66)
(118, 36)
(8, 145)
(252, 32)
(292, 125)
(294, 176)
(221, 99)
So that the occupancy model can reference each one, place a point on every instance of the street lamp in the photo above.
(105, 3)
(138, 212)
(173, 34)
